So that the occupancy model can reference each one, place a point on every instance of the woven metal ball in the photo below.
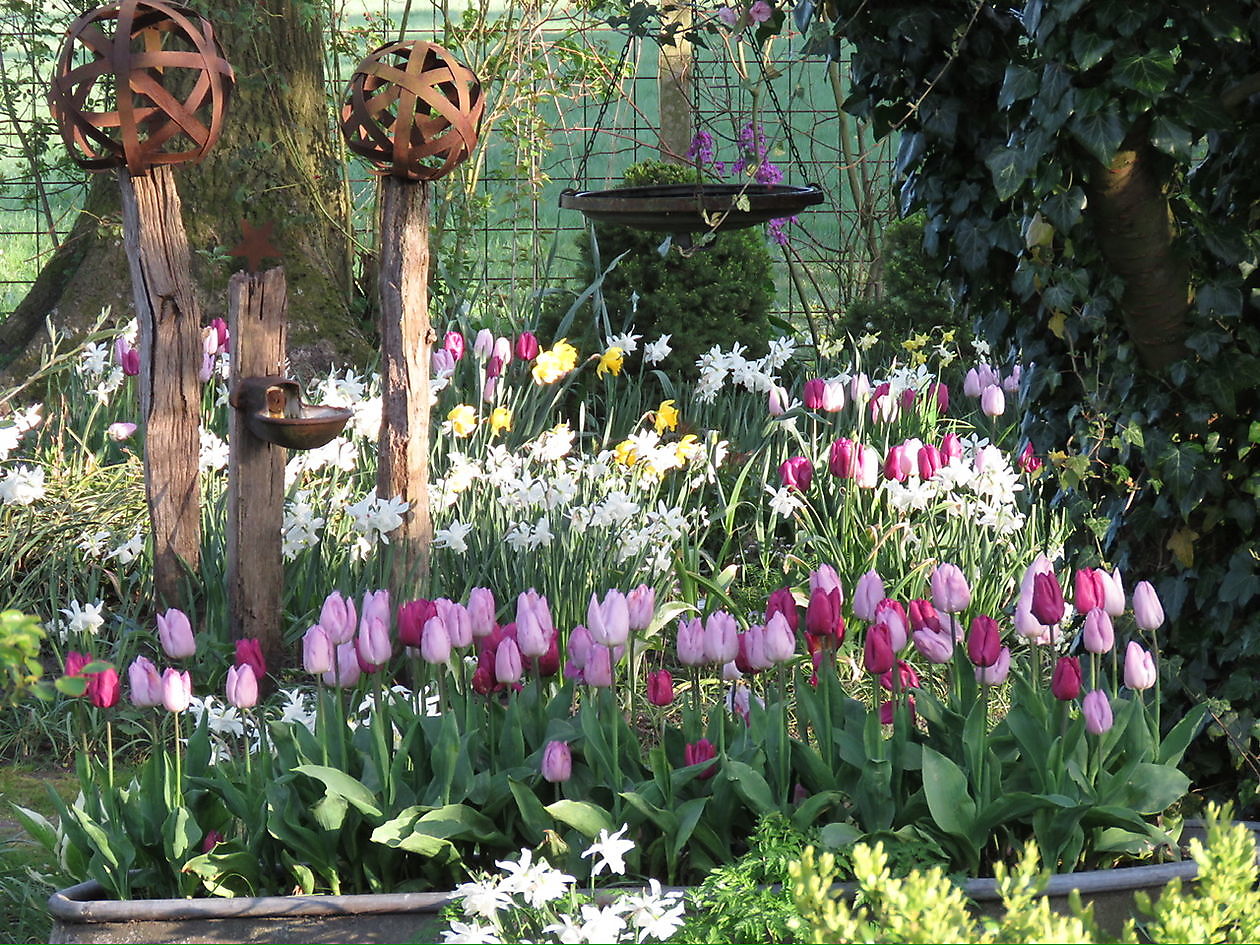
(139, 83)
(413, 110)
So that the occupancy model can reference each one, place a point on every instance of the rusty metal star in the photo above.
(256, 244)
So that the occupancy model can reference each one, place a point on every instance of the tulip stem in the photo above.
(321, 717)
(109, 747)
(179, 767)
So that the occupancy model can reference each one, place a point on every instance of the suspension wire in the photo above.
(603, 109)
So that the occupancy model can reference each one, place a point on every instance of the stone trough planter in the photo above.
(81, 915)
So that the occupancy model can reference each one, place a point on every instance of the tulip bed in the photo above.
(792, 588)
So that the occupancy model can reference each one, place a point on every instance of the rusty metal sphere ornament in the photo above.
(139, 83)
(413, 110)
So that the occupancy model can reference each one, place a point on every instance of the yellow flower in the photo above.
(687, 449)
(666, 416)
(500, 419)
(462, 420)
(948, 336)
(554, 362)
(611, 360)
(867, 341)
(915, 343)
(625, 453)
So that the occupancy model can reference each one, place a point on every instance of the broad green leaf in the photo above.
(341, 784)
(1018, 83)
(1149, 74)
(1089, 48)
(688, 815)
(535, 816)
(1009, 169)
(1100, 133)
(1172, 138)
(1178, 739)
(664, 820)
(586, 818)
(751, 786)
(951, 805)
(330, 811)
(1155, 788)
(228, 874)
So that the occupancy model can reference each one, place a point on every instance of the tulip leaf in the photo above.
(1178, 740)
(586, 818)
(1154, 788)
(536, 819)
(665, 821)
(330, 811)
(751, 786)
(948, 800)
(182, 834)
(688, 815)
(342, 785)
(810, 809)
(228, 874)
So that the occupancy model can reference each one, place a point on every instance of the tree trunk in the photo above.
(1134, 227)
(674, 87)
(278, 159)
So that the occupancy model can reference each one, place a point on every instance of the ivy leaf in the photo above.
(1007, 167)
(1171, 138)
(1089, 48)
(1099, 132)
(1018, 83)
(972, 245)
(1148, 75)
(1064, 210)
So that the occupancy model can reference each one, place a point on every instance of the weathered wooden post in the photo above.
(413, 110)
(152, 73)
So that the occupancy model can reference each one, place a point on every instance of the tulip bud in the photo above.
(992, 401)
(176, 690)
(458, 624)
(454, 343)
(893, 616)
(1089, 590)
(375, 607)
(502, 352)
(833, 396)
(971, 383)
(884, 408)
(812, 395)
(317, 651)
(868, 468)
(374, 644)
(984, 641)
(896, 465)
(877, 651)
(1010, 383)
(906, 400)
(950, 590)
(1139, 667)
(176, 635)
(776, 401)
(242, 686)
(660, 688)
(826, 578)
(1047, 599)
(212, 839)
(146, 683)
(531, 639)
(1147, 610)
(929, 461)
(783, 602)
(481, 610)
(867, 595)
(859, 389)
(435, 642)
(1096, 708)
(641, 607)
(721, 643)
(1065, 684)
(507, 663)
(75, 661)
(951, 447)
(483, 344)
(557, 762)
(691, 642)
(796, 472)
(345, 671)
(780, 639)
(695, 753)
(940, 392)
(1113, 592)
(599, 666)
(412, 616)
(102, 688)
(250, 651)
(843, 459)
(934, 646)
(996, 674)
(338, 618)
(922, 615)
(526, 346)
(823, 617)
(1098, 636)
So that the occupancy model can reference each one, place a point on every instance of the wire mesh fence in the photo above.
(582, 135)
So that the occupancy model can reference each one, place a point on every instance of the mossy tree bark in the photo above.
(278, 159)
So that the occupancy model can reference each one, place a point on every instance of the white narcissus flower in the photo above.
(453, 537)
(84, 618)
(658, 350)
(609, 851)
(22, 486)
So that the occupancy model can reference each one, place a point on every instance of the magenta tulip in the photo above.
(896, 464)
(1148, 612)
(940, 393)
(1098, 635)
(893, 616)
(1089, 590)
(412, 616)
(660, 688)
(1139, 668)
(984, 641)
(250, 651)
(824, 619)
(454, 343)
(783, 602)
(698, 752)
(1065, 684)
(1047, 599)
(844, 457)
(929, 460)
(176, 635)
(557, 762)
(812, 395)
(951, 448)
(527, 346)
(1096, 708)
(103, 688)
(796, 472)
(317, 651)
(877, 651)
(242, 686)
(923, 616)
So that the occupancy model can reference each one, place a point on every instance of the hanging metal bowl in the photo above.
(692, 208)
(275, 413)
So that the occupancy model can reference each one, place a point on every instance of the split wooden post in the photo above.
(674, 86)
(257, 316)
(406, 342)
(170, 359)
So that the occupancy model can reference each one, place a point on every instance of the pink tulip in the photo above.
(951, 448)
(608, 622)
(660, 688)
(1026, 625)
(929, 460)
(691, 642)
(934, 645)
(338, 618)
(984, 641)
(483, 344)
(1028, 461)
(1010, 383)
(893, 616)
(1098, 635)
(146, 683)
(374, 644)
(507, 663)
(796, 472)
(317, 651)
(641, 605)
(992, 401)
(599, 666)
(345, 671)
(950, 590)
(1096, 708)
(1047, 599)
(868, 468)
(526, 346)
(844, 458)
(877, 651)
(375, 607)
(557, 762)
(176, 690)
(176, 635)
(120, 431)
(1139, 668)
(1088, 590)
(458, 623)
(867, 595)
(250, 651)
(780, 640)
(783, 602)
(435, 642)
(1065, 684)
(481, 611)
(812, 395)
(721, 644)
(824, 618)
(242, 686)
(996, 674)
(940, 393)
(1148, 612)
(971, 384)
(776, 401)
(1113, 592)
(532, 640)
(454, 343)
(859, 389)
(896, 465)
(579, 646)
(103, 688)
(833, 396)
(696, 753)
(750, 657)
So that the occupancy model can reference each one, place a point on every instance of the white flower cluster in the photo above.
(13, 428)
(301, 526)
(373, 518)
(496, 906)
(756, 376)
(22, 485)
(94, 366)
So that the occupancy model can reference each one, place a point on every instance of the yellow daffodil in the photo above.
(500, 419)
(555, 362)
(625, 453)
(462, 420)
(915, 343)
(666, 416)
(948, 336)
(611, 360)
(687, 449)
(867, 341)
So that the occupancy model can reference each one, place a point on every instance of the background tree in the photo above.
(278, 160)
(1087, 172)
